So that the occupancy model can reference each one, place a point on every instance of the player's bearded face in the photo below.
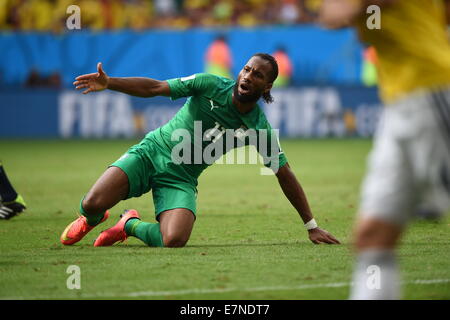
(252, 80)
(246, 95)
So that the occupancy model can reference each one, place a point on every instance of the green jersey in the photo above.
(209, 125)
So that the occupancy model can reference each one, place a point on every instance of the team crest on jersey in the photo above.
(241, 133)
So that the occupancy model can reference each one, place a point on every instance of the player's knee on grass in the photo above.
(176, 226)
(174, 240)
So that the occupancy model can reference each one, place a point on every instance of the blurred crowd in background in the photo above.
(51, 15)
(100, 15)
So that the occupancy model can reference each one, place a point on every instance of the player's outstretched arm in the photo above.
(137, 86)
(294, 192)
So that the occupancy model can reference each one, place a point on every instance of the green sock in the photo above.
(92, 219)
(147, 232)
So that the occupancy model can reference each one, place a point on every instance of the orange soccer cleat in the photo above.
(75, 231)
(116, 233)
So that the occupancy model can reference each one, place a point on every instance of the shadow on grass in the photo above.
(225, 245)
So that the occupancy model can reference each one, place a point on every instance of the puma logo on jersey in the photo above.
(212, 105)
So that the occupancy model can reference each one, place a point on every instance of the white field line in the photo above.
(209, 291)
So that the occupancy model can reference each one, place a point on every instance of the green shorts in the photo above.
(149, 167)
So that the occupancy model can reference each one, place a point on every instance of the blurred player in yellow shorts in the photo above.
(410, 161)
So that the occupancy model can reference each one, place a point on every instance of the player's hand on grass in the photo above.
(318, 236)
(93, 81)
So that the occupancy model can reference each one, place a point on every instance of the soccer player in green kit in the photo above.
(215, 105)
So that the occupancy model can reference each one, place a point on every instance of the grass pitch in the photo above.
(248, 242)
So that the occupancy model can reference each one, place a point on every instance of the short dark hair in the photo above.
(273, 75)
(272, 62)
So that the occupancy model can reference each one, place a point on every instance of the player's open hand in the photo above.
(319, 236)
(93, 81)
